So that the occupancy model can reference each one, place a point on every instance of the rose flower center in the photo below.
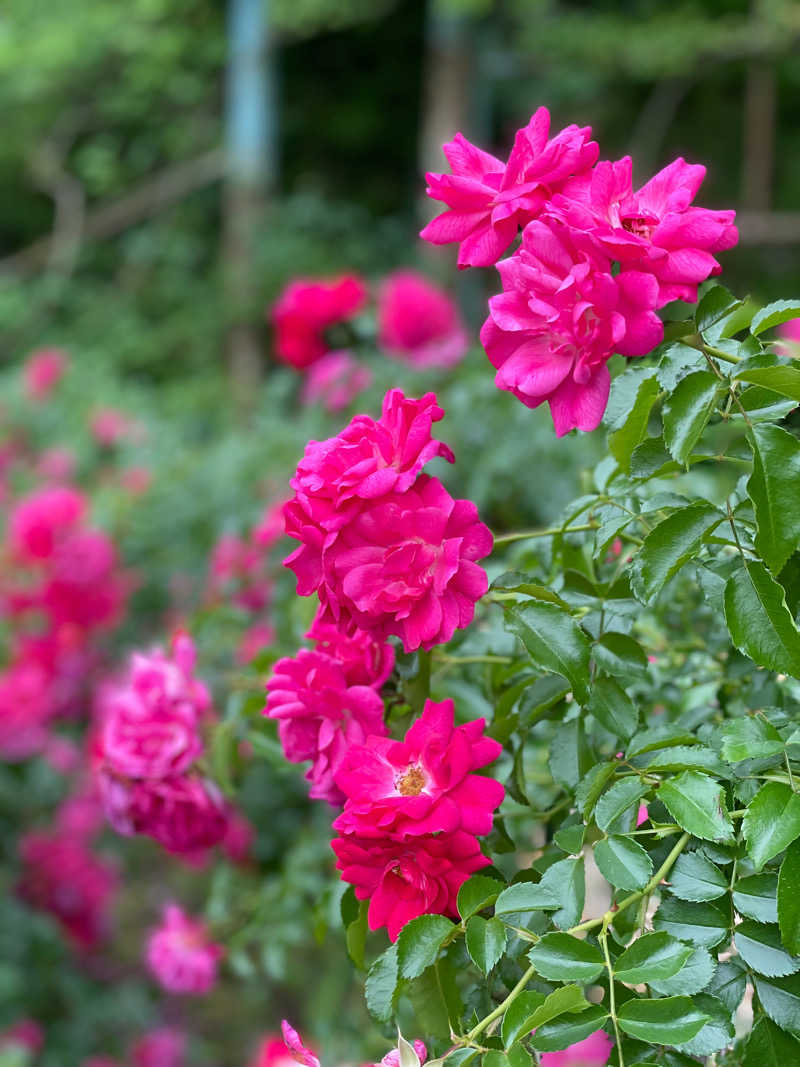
(411, 783)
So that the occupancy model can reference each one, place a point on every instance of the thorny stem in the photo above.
(523, 535)
(501, 1008)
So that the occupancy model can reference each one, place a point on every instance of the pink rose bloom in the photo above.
(306, 309)
(320, 716)
(26, 1034)
(402, 879)
(162, 1047)
(40, 520)
(488, 201)
(272, 1052)
(364, 660)
(789, 333)
(655, 228)
(419, 323)
(295, 1047)
(61, 876)
(334, 381)
(392, 1059)
(56, 465)
(180, 954)
(423, 785)
(25, 710)
(109, 426)
(560, 318)
(84, 586)
(237, 571)
(43, 371)
(254, 640)
(407, 565)
(593, 1051)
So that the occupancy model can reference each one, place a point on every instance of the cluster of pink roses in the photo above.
(145, 750)
(596, 260)
(418, 323)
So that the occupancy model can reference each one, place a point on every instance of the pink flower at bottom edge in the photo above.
(593, 1051)
(392, 1059)
(26, 1033)
(296, 1048)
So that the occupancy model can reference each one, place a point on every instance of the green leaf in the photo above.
(715, 305)
(435, 999)
(696, 878)
(685, 757)
(560, 1034)
(667, 1021)
(773, 489)
(687, 411)
(570, 757)
(617, 801)
(759, 945)
(695, 975)
(592, 785)
(477, 893)
(774, 314)
(563, 958)
(570, 838)
(566, 879)
(716, 1033)
(486, 942)
(620, 655)
(789, 898)
(759, 621)
(670, 544)
(677, 361)
(780, 999)
(751, 737)
(651, 956)
(729, 983)
(613, 708)
(697, 804)
(757, 897)
(772, 822)
(381, 985)
(700, 924)
(356, 936)
(633, 430)
(782, 378)
(517, 1020)
(623, 862)
(419, 943)
(527, 896)
(769, 1046)
(554, 641)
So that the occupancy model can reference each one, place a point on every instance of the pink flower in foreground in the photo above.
(392, 1059)
(407, 565)
(162, 1047)
(43, 371)
(654, 229)
(26, 1034)
(41, 520)
(180, 954)
(423, 785)
(593, 1051)
(272, 1052)
(560, 318)
(320, 716)
(364, 660)
(305, 309)
(334, 381)
(420, 323)
(295, 1047)
(488, 201)
(789, 333)
(406, 878)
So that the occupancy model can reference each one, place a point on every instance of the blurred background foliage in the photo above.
(121, 228)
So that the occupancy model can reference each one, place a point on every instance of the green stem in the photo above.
(524, 535)
(501, 1008)
(444, 657)
(603, 939)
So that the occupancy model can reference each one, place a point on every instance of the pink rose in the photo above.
(25, 710)
(180, 954)
(364, 660)
(334, 381)
(40, 520)
(306, 309)
(162, 1047)
(392, 1059)
(43, 371)
(109, 427)
(295, 1047)
(420, 323)
(593, 1051)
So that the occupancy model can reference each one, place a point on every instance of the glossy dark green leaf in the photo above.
(568, 1030)
(714, 307)
(729, 983)
(759, 945)
(772, 489)
(618, 801)
(697, 804)
(381, 985)
(769, 1046)
(789, 898)
(527, 896)
(694, 976)
(570, 838)
(592, 785)
(669, 545)
(702, 923)
(620, 655)
(667, 1021)
(419, 943)
(486, 942)
(772, 822)
(613, 708)
(774, 314)
(688, 757)
(651, 956)
(554, 641)
(566, 878)
(757, 897)
(623, 862)
(696, 878)
(716, 1034)
(477, 893)
(532, 1010)
(783, 379)
(750, 737)
(780, 999)
(686, 412)
(563, 958)
(570, 756)
(622, 441)
(759, 621)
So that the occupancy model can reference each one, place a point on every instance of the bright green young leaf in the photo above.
(750, 737)
(687, 411)
(563, 958)
(554, 641)
(769, 1046)
(759, 621)
(381, 985)
(789, 898)
(774, 314)
(698, 805)
(622, 441)
(623, 862)
(486, 942)
(670, 544)
(651, 956)
(613, 708)
(667, 1021)
(419, 943)
(696, 974)
(772, 822)
(716, 1034)
(703, 923)
(618, 801)
(756, 897)
(527, 896)
(563, 1032)
(517, 1020)
(780, 999)
(696, 878)
(759, 945)
(773, 490)
(477, 893)
(565, 999)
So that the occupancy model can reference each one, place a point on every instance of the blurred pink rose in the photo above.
(334, 381)
(419, 323)
(43, 371)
